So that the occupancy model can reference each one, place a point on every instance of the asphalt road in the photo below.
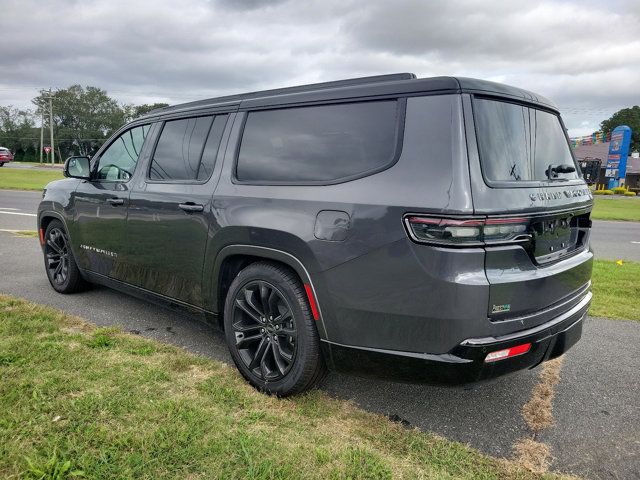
(596, 410)
(31, 165)
(616, 240)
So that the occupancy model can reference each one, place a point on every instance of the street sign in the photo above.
(47, 149)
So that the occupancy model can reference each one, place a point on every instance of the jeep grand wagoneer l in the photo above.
(431, 230)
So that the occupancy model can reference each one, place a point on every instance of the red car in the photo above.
(5, 156)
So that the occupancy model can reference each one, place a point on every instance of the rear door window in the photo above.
(211, 148)
(517, 143)
(317, 144)
(179, 149)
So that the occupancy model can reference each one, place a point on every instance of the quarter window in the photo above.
(118, 161)
(318, 144)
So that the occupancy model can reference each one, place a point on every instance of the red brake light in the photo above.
(466, 232)
(508, 352)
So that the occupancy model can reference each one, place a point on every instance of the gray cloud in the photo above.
(583, 55)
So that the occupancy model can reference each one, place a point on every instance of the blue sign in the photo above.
(616, 166)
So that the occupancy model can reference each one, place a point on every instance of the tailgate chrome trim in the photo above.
(555, 306)
(582, 305)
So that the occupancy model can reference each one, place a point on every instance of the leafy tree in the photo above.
(626, 116)
(17, 132)
(83, 117)
(139, 110)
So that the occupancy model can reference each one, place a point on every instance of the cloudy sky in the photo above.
(584, 55)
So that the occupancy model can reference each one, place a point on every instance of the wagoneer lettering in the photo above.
(428, 230)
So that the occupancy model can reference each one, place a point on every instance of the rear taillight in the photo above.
(467, 232)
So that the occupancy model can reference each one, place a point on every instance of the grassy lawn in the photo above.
(27, 179)
(616, 209)
(104, 404)
(616, 290)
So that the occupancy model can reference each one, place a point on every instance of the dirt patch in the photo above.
(538, 415)
(538, 411)
(532, 455)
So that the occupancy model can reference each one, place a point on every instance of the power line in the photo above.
(4, 137)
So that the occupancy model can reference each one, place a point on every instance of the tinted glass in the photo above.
(118, 162)
(320, 143)
(211, 147)
(518, 143)
(177, 155)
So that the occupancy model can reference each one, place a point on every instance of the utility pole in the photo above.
(41, 131)
(53, 152)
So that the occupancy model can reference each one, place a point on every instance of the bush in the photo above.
(619, 190)
(629, 194)
(603, 192)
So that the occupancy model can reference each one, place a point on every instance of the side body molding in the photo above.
(271, 254)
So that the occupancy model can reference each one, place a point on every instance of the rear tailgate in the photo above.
(548, 270)
(552, 269)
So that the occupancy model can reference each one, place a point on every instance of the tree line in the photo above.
(83, 119)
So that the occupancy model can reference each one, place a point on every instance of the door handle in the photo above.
(115, 201)
(191, 207)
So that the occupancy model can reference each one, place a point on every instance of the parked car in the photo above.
(5, 156)
(429, 230)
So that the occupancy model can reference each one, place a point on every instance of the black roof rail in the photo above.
(392, 77)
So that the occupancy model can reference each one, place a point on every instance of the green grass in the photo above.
(627, 209)
(27, 179)
(26, 233)
(616, 290)
(76, 400)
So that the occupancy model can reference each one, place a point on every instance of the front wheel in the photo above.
(62, 271)
(270, 332)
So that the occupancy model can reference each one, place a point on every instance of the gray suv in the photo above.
(429, 230)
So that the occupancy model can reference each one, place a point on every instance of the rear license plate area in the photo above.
(553, 238)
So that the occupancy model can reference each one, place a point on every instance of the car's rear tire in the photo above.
(270, 331)
(59, 262)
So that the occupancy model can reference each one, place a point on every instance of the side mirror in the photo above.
(77, 167)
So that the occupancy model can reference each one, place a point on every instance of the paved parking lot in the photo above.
(32, 166)
(596, 410)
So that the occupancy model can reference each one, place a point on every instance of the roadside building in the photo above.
(588, 153)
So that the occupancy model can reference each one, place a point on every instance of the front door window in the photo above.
(118, 161)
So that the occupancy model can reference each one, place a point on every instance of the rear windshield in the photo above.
(518, 143)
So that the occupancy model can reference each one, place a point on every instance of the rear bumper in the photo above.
(466, 362)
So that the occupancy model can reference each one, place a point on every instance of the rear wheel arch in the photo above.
(232, 259)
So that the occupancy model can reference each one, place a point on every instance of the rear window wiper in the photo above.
(553, 170)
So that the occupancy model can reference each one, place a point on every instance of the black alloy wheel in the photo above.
(62, 271)
(270, 330)
(264, 329)
(56, 251)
